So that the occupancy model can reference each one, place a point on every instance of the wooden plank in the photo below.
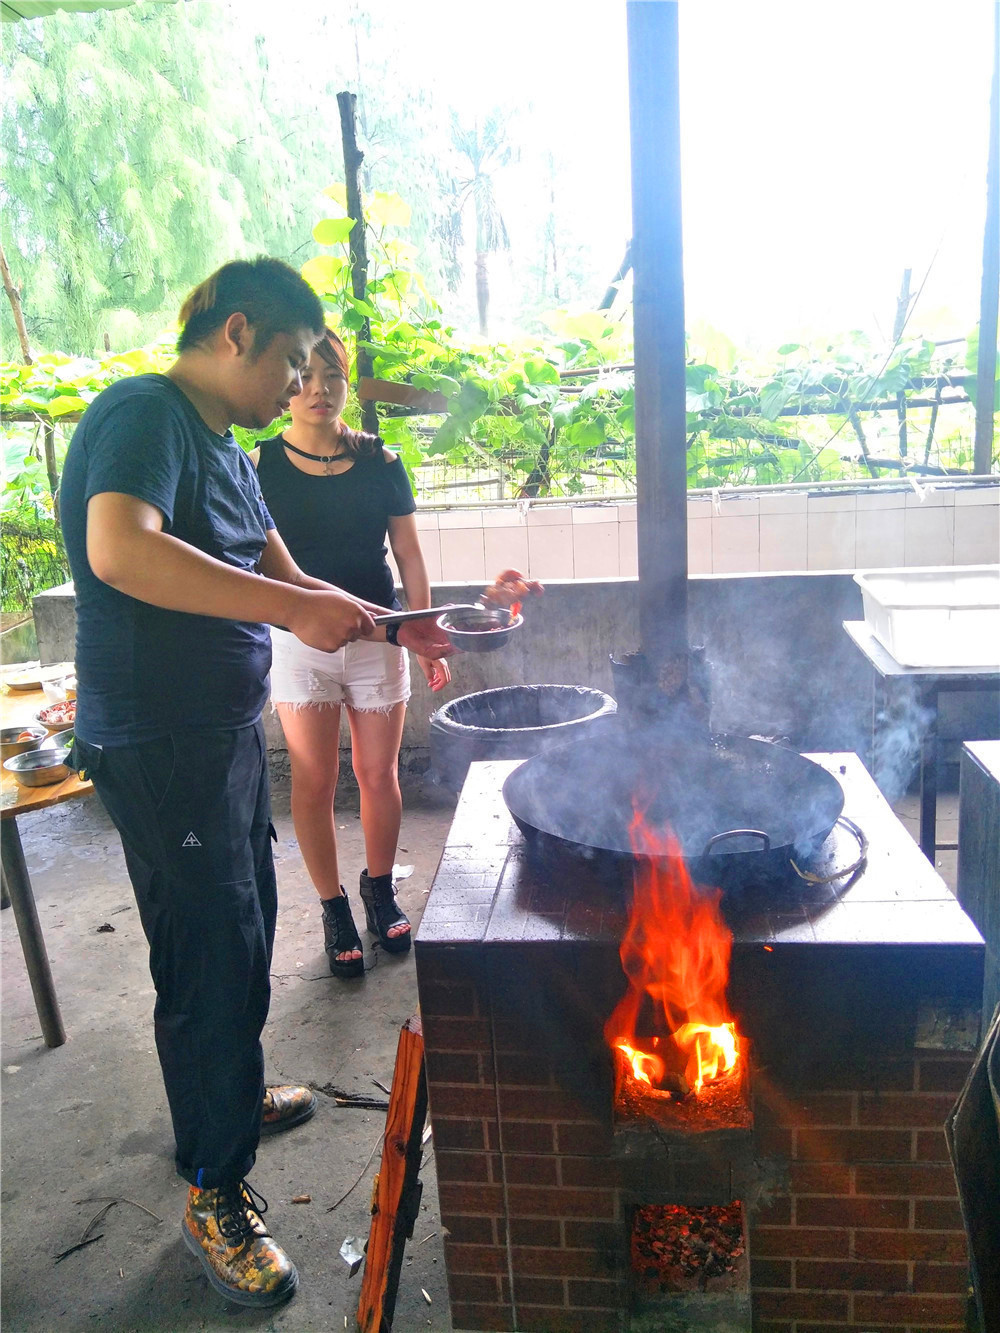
(404, 395)
(396, 1199)
(18, 708)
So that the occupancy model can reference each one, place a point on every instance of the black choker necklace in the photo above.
(326, 459)
(316, 458)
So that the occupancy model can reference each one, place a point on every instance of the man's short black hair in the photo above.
(269, 292)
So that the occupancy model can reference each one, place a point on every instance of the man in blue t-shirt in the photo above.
(178, 571)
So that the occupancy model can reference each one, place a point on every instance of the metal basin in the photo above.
(474, 629)
(10, 745)
(39, 768)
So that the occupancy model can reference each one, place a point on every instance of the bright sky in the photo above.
(826, 148)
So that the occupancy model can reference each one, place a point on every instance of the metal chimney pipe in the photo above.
(658, 317)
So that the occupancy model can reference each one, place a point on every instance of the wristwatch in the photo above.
(392, 635)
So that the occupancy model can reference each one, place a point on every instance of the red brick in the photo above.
(942, 1247)
(535, 1170)
(595, 1295)
(474, 1287)
(771, 1273)
(541, 1104)
(791, 1242)
(471, 1198)
(925, 1180)
(932, 1146)
(469, 1230)
(775, 1212)
(937, 1215)
(535, 1231)
(818, 1108)
(545, 1319)
(561, 1263)
(599, 1171)
(811, 1275)
(814, 1211)
(495, 1318)
(943, 1075)
(527, 1201)
(853, 1145)
(523, 1071)
(469, 1166)
(913, 1110)
(582, 1140)
(589, 1235)
(539, 1290)
(456, 1034)
(458, 1134)
(910, 1310)
(447, 1067)
(458, 1099)
(819, 1178)
(798, 1305)
(475, 1258)
(527, 1136)
(941, 1277)
(441, 999)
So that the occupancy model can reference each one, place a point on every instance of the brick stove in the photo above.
(857, 1004)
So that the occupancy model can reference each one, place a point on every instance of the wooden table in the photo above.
(931, 683)
(17, 707)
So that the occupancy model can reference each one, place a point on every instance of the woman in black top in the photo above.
(335, 495)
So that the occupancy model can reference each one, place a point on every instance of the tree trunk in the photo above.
(14, 296)
(608, 299)
(483, 292)
(902, 310)
(353, 157)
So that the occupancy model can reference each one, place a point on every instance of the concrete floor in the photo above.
(88, 1121)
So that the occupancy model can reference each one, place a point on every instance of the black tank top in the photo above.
(335, 527)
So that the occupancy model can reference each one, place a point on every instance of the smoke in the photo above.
(900, 728)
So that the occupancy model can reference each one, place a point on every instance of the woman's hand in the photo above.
(424, 638)
(436, 672)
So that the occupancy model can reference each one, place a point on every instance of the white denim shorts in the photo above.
(370, 677)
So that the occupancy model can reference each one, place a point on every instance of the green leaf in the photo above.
(338, 193)
(389, 210)
(60, 407)
(786, 349)
(323, 273)
(333, 231)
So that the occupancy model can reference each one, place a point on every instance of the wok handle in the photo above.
(739, 833)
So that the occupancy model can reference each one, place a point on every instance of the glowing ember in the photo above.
(676, 956)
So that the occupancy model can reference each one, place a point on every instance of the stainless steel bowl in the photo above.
(474, 629)
(60, 739)
(10, 745)
(39, 768)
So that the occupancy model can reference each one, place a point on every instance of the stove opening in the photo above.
(672, 1033)
(677, 1250)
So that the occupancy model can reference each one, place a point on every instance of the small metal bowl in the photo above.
(39, 768)
(474, 629)
(53, 728)
(60, 739)
(10, 745)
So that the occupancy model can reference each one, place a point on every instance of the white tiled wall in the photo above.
(728, 533)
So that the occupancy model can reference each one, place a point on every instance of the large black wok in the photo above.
(741, 809)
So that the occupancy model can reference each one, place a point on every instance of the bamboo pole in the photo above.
(658, 315)
(986, 364)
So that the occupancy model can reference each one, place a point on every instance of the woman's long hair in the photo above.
(356, 443)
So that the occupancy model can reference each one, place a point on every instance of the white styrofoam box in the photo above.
(943, 616)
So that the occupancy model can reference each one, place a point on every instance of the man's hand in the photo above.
(437, 673)
(327, 620)
(425, 639)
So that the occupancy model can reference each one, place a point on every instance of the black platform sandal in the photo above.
(382, 912)
(340, 935)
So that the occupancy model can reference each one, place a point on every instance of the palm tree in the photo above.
(487, 150)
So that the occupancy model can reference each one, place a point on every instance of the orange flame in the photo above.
(675, 952)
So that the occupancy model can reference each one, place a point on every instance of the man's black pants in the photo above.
(194, 818)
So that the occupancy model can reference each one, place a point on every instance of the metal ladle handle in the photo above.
(739, 833)
(401, 617)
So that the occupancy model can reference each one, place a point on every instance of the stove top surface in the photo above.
(492, 889)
